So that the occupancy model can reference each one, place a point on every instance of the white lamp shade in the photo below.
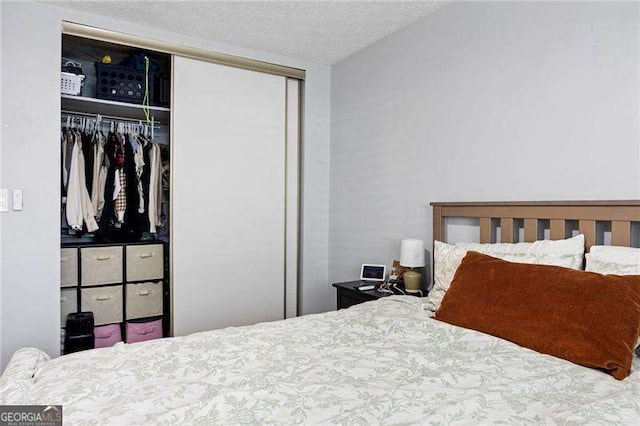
(412, 253)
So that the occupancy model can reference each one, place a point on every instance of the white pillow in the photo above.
(614, 260)
(618, 250)
(446, 259)
(568, 253)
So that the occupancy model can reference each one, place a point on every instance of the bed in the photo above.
(381, 362)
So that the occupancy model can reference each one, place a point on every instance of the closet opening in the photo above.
(115, 212)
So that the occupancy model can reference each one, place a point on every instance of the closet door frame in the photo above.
(293, 147)
(87, 31)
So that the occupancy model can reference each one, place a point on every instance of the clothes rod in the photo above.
(109, 117)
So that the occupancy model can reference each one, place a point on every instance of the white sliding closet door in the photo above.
(229, 186)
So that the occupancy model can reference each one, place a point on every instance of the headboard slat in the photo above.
(485, 230)
(530, 230)
(438, 225)
(620, 233)
(557, 229)
(588, 228)
(506, 230)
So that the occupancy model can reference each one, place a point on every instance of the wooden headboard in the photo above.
(560, 217)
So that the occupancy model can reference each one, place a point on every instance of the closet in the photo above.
(115, 205)
(214, 242)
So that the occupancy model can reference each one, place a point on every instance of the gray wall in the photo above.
(29, 159)
(481, 101)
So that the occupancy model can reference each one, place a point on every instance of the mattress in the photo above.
(380, 362)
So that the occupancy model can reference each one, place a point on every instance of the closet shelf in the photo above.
(114, 108)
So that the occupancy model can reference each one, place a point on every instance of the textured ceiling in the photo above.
(318, 31)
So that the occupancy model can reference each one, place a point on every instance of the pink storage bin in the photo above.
(107, 335)
(141, 331)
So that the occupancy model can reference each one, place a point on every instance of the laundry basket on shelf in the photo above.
(71, 84)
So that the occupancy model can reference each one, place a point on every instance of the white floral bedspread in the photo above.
(382, 362)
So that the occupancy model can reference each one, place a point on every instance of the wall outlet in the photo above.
(17, 199)
(4, 200)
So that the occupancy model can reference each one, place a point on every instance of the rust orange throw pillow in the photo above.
(583, 317)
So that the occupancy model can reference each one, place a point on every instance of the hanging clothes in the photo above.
(79, 209)
(138, 157)
(133, 229)
(107, 215)
(98, 164)
(145, 180)
(88, 155)
(64, 176)
(112, 186)
(155, 189)
(120, 195)
(73, 201)
(67, 147)
(120, 181)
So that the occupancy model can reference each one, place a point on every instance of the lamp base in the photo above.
(411, 281)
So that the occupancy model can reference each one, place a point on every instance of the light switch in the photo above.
(4, 200)
(17, 199)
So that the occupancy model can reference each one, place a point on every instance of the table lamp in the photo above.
(412, 256)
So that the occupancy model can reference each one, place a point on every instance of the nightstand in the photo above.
(349, 295)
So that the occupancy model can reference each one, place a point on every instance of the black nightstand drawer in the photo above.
(348, 295)
(346, 300)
